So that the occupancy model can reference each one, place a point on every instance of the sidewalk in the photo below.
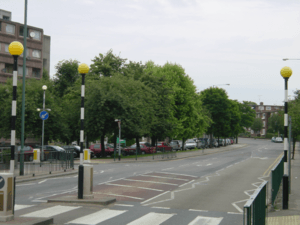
(179, 155)
(292, 215)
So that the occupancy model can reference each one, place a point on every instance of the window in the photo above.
(261, 107)
(10, 29)
(20, 70)
(0, 26)
(36, 72)
(6, 48)
(263, 115)
(21, 31)
(6, 17)
(263, 132)
(9, 68)
(264, 123)
(37, 35)
(268, 108)
(36, 54)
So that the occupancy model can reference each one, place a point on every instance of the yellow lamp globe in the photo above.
(83, 68)
(286, 72)
(15, 48)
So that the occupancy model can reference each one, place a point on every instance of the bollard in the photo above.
(285, 192)
(36, 155)
(86, 156)
(7, 187)
(80, 181)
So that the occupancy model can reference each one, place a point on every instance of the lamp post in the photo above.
(286, 73)
(285, 59)
(119, 124)
(43, 117)
(15, 49)
(82, 69)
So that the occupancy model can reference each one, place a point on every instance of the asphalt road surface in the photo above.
(203, 190)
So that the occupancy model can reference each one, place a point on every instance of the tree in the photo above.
(293, 111)
(216, 101)
(45, 74)
(107, 65)
(276, 123)
(257, 125)
(66, 76)
(235, 118)
(247, 114)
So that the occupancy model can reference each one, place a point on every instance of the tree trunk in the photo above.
(86, 141)
(138, 149)
(294, 143)
(210, 137)
(153, 141)
(236, 139)
(182, 144)
(102, 146)
(218, 142)
(115, 142)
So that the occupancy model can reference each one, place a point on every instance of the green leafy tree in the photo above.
(247, 114)
(257, 125)
(216, 101)
(276, 122)
(45, 74)
(66, 76)
(294, 112)
(107, 65)
(235, 118)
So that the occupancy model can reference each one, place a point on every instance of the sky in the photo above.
(217, 42)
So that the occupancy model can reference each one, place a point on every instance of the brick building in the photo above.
(38, 49)
(264, 112)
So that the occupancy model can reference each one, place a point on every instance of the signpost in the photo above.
(44, 115)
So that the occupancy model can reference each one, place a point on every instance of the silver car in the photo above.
(190, 144)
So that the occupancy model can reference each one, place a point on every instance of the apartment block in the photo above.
(38, 48)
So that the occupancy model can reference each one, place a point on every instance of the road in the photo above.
(208, 189)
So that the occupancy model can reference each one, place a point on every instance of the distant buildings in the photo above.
(38, 49)
(264, 112)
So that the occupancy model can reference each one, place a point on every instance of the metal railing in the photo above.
(53, 161)
(161, 153)
(276, 178)
(255, 209)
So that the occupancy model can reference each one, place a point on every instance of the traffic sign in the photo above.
(44, 115)
(2, 182)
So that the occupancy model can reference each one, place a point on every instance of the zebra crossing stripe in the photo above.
(19, 207)
(206, 220)
(52, 211)
(98, 217)
(152, 218)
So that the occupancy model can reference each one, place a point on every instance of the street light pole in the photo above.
(119, 124)
(82, 69)
(43, 126)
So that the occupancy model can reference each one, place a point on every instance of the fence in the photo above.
(256, 207)
(276, 178)
(53, 161)
(161, 153)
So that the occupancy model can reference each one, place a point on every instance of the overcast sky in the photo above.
(236, 42)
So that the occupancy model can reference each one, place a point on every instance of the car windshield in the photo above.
(58, 148)
(77, 147)
(133, 146)
(159, 144)
(190, 141)
(109, 145)
(25, 148)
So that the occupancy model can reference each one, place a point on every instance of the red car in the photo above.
(164, 145)
(97, 150)
(28, 153)
(144, 150)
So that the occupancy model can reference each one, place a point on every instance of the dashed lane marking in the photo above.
(126, 196)
(178, 174)
(165, 177)
(121, 185)
(155, 182)
(156, 207)
(197, 210)
(124, 205)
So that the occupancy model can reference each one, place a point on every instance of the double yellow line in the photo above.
(268, 171)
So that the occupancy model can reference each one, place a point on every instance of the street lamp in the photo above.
(285, 59)
(43, 115)
(15, 49)
(221, 85)
(286, 73)
(82, 69)
(119, 125)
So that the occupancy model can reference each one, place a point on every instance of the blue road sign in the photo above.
(2, 182)
(44, 115)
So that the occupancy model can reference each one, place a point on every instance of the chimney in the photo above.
(261, 103)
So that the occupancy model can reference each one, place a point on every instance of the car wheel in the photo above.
(143, 153)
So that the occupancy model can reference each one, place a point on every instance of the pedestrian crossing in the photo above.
(107, 216)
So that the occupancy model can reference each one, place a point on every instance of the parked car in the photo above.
(190, 144)
(28, 153)
(278, 140)
(132, 150)
(204, 142)
(166, 146)
(273, 139)
(214, 142)
(175, 145)
(53, 152)
(221, 142)
(96, 149)
(76, 150)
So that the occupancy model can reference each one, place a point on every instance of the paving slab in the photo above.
(29, 221)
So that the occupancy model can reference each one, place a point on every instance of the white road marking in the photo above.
(209, 164)
(156, 207)
(19, 207)
(37, 200)
(155, 182)
(20, 185)
(168, 168)
(126, 196)
(187, 183)
(154, 197)
(98, 217)
(110, 181)
(121, 185)
(42, 181)
(124, 205)
(234, 213)
(52, 211)
(206, 220)
(178, 174)
(197, 210)
(165, 177)
(199, 165)
(152, 218)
